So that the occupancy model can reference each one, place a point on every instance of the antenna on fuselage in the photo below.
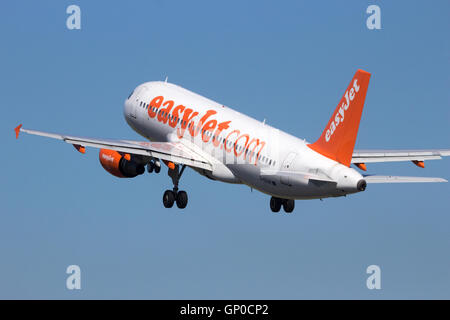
(167, 78)
(264, 121)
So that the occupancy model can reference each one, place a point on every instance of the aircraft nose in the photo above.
(127, 105)
(126, 108)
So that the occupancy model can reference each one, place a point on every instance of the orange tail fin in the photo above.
(338, 139)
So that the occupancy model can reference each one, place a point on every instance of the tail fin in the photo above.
(338, 139)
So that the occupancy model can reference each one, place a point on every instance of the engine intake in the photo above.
(120, 165)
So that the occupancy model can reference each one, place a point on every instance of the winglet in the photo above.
(17, 130)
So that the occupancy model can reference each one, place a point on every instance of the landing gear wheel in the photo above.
(275, 204)
(168, 198)
(157, 168)
(179, 196)
(150, 167)
(288, 205)
(182, 199)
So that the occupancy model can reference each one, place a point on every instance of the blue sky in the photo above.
(288, 62)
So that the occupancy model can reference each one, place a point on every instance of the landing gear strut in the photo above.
(276, 203)
(172, 196)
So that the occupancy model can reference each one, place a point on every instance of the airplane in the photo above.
(183, 129)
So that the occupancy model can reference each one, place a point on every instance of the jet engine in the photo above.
(120, 164)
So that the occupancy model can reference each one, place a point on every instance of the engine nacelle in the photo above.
(119, 164)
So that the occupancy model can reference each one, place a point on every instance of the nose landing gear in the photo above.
(174, 196)
(276, 203)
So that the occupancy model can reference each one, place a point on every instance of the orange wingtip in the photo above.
(362, 166)
(418, 163)
(80, 148)
(17, 130)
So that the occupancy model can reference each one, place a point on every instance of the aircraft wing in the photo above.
(366, 156)
(175, 152)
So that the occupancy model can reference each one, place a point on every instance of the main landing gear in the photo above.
(172, 196)
(276, 203)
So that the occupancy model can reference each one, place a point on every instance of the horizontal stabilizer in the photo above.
(397, 179)
(366, 156)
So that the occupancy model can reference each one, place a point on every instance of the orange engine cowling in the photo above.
(119, 165)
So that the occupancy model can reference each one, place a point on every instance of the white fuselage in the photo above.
(242, 149)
